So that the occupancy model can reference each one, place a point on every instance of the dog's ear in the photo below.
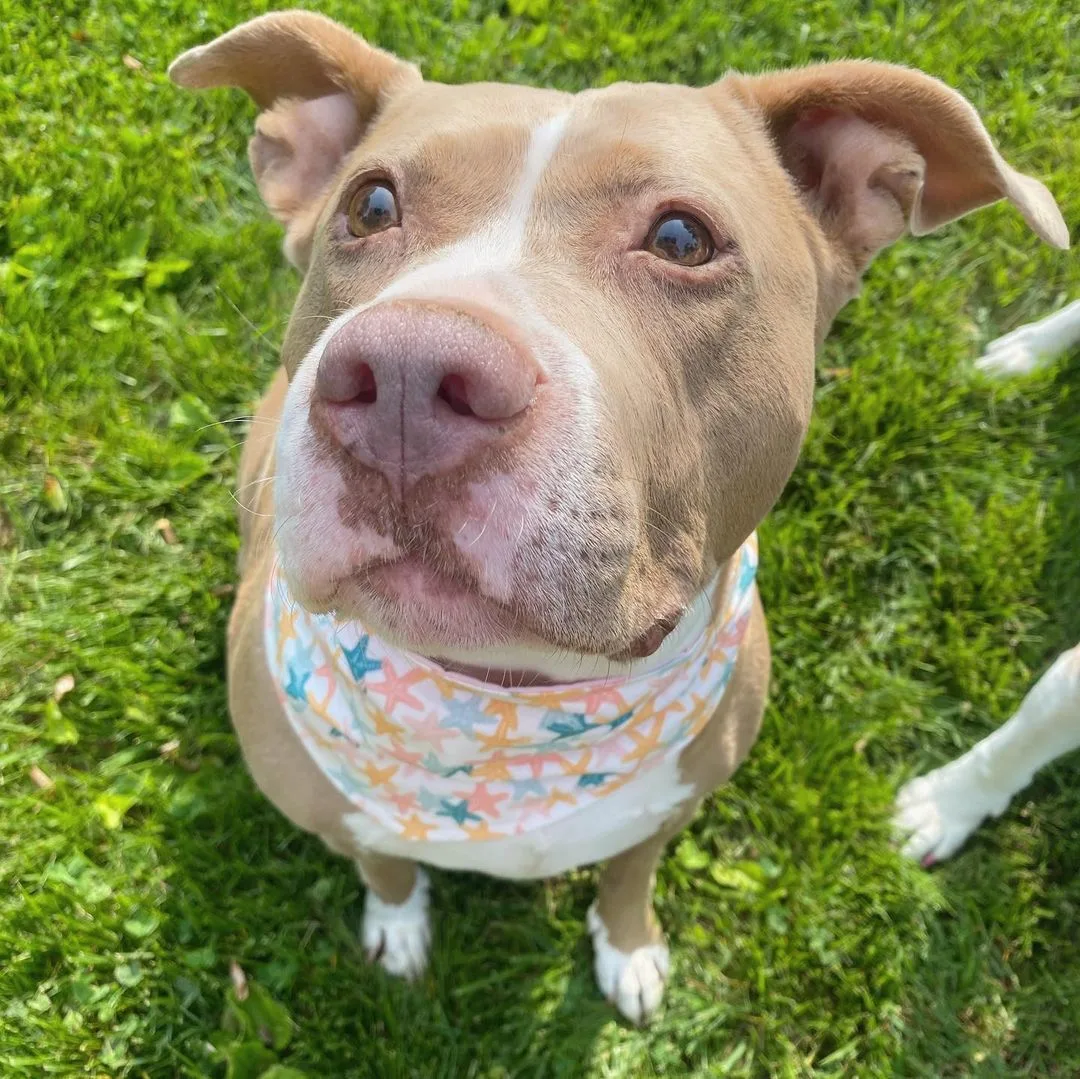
(876, 148)
(319, 86)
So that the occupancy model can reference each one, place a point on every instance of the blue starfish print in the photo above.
(458, 770)
(302, 655)
(360, 722)
(593, 779)
(427, 800)
(360, 664)
(348, 782)
(525, 786)
(296, 687)
(618, 721)
(457, 811)
(464, 715)
(563, 725)
(431, 763)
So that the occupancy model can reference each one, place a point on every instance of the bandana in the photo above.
(434, 755)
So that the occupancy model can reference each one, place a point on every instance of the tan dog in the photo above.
(551, 363)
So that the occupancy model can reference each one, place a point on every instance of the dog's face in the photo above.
(553, 356)
(546, 404)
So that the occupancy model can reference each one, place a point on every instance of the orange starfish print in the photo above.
(383, 724)
(480, 831)
(507, 714)
(379, 777)
(286, 629)
(644, 743)
(557, 796)
(580, 765)
(495, 767)
(412, 827)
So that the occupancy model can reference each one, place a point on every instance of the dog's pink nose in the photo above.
(413, 390)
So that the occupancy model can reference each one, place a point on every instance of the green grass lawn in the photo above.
(922, 567)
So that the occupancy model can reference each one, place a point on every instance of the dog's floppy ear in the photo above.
(318, 84)
(876, 148)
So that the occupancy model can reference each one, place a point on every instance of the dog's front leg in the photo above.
(630, 954)
(397, 930)
(939, 810)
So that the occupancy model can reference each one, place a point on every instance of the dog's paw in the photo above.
(1032, 345)
(398, 936)
(935, 813)
(632, 981)
(1019, 356)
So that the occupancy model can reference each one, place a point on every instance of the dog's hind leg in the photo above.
(938, 811)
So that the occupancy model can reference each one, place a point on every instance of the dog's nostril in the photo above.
(453, 391)
(366, 390)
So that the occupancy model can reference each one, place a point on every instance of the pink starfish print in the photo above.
(403, 755)
(429, 732)
(535, 807)
(403, 802)
(482, 800)
(536, 761)
(395, 687)
(595, 699)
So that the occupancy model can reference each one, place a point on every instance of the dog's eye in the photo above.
(678, 237)
(373, 208)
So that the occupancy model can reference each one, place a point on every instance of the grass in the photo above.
(920, 570)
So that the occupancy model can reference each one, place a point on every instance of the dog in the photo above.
(936, 813)
(551, 363)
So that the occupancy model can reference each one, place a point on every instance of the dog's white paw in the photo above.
(938, 811)
(1017, 357)
(1032, 345)
(632, 981)
(398, 936)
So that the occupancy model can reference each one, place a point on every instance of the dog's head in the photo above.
(553, 356)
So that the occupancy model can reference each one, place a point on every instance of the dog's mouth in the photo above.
(427, 609)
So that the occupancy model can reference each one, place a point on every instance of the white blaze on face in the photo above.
(497, 247)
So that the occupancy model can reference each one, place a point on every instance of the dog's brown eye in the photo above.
(373, 208)
(678, 237)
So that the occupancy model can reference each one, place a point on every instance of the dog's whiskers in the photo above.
(250, 325)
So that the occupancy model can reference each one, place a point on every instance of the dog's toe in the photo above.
(935, 813)
(632, 981)
(397, 936)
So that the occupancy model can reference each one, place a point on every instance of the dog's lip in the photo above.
(649, 642)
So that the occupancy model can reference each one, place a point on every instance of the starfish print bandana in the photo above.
(434, 755)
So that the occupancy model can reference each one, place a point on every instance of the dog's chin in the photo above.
(415, 607)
